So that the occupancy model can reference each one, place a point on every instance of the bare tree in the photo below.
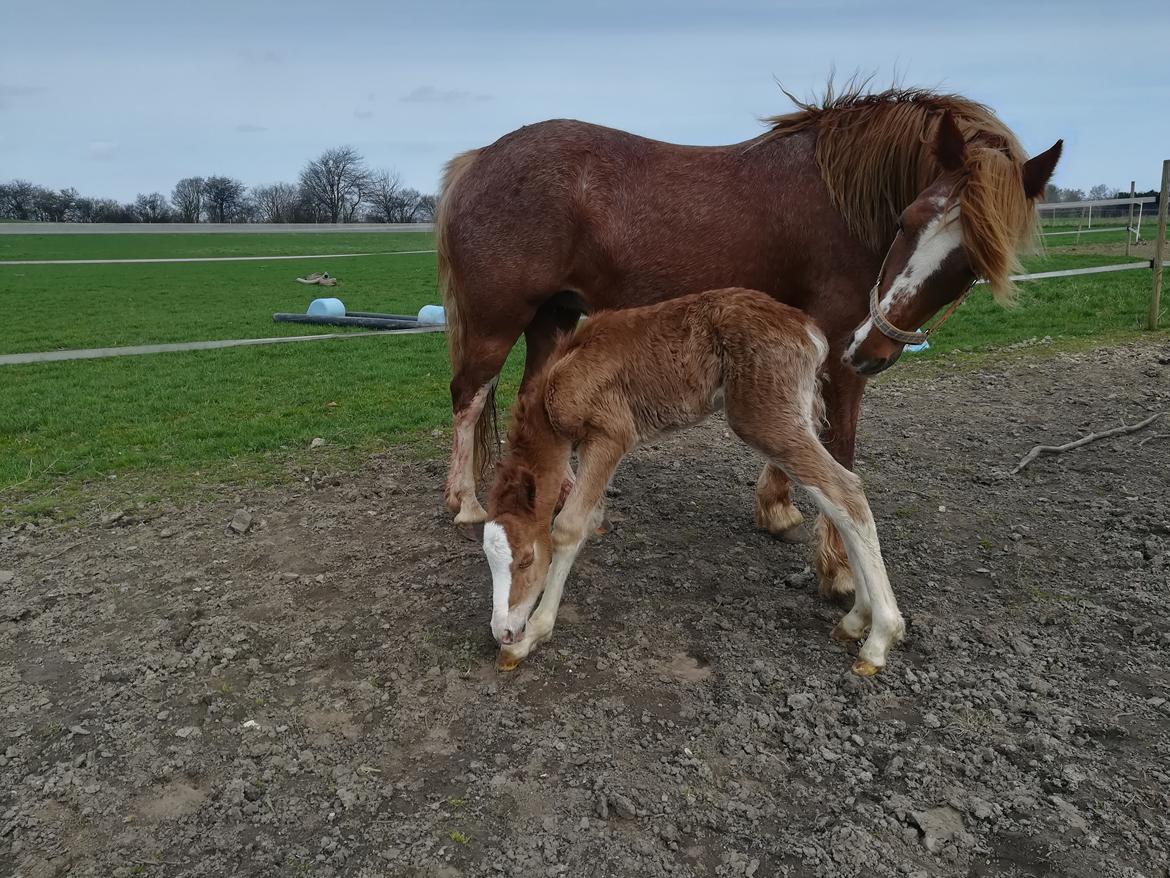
(187, 198)
(17, 200)
(52, 207)
(426, 209)
(1101, 191)
(276, 203)
(224, 198)
(337, 182)
(152, 208)
(390, 201)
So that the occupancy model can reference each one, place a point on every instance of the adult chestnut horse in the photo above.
(563, 218)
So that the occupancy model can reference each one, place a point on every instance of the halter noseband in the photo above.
(900, 335)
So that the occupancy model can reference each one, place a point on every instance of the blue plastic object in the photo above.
(326, 308)
(432, 315)
(915, 348)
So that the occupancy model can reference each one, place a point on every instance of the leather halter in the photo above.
(900, 335)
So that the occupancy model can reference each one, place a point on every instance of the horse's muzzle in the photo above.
(870, 366)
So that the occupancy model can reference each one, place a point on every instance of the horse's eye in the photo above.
(525, 564)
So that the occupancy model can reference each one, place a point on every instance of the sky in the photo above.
(117, 98)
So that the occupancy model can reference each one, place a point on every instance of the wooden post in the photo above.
(1129, 225)
(1160, 248)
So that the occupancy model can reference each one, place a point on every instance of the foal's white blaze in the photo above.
(499, 558)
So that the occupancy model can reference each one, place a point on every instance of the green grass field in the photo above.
(184, 245)
(67, 428)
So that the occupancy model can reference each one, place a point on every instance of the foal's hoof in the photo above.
(506, 662)
(843, 635)
(865, 669)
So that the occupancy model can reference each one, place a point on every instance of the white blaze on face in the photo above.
(499, 558)
(942, 236)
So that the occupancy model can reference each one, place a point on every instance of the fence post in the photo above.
(1160, 248)
(1129, 225)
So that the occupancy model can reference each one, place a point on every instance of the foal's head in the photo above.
(967, 224)
(518, 545)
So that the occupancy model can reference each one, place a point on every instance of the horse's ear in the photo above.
(1038, 170)
(949, 145)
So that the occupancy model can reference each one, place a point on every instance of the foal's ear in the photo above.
(949, 145)
(1038, 170)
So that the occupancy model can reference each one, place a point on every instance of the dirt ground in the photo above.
(317, 696)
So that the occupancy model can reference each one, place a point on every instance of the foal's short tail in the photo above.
(486, 429)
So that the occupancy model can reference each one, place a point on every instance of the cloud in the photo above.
(10, 92)
(363, 114)
(261, 57)
(249, 128)
(428, 94)
(101, 150)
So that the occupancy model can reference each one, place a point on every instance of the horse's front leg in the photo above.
(599, 458)
(842, 395)
(775, 512)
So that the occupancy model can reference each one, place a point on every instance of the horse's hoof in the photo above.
(801, 534)
(470, 532)
(865, 669)
(506, 662)
(842, 635)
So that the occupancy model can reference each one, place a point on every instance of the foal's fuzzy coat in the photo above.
(626, 376)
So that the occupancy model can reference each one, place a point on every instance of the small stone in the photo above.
(623, 806)
(189, 732)
(931, 721)
(112, 518)
(317, 442)
(241, 523)
(601, 806)
(6, 576)
(799, 700)
(938, 826)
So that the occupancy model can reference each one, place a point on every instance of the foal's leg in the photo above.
(775, 512)
(598, 460)
(838, 493)
(842, 391)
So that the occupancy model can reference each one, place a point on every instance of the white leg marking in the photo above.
(864, 551)
(462, 476)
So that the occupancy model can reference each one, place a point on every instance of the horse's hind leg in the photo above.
(775, 512)
(540, 338)
(471, 390)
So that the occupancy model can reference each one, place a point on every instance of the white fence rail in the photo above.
(202, 228)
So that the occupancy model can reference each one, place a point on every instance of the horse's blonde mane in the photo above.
(876, 154)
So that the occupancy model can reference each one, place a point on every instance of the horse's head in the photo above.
(966, 224)
(518, 547)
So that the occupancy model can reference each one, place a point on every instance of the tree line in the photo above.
(336, 187)
(1100, 192)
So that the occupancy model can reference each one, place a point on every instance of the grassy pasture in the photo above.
(245, 412)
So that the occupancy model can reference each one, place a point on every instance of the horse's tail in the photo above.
(486, 428)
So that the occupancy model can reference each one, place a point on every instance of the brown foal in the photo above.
(627, 376)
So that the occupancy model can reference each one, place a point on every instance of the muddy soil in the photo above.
(312, 692)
